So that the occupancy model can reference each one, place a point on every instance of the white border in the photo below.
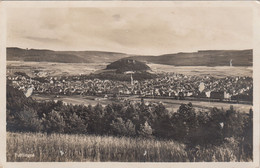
(64, 4)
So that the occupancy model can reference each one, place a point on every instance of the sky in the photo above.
(144, 31)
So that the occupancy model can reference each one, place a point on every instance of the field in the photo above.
(220, 71)
(38, 147)
(56, 69)
(171, 104)
(75, 99)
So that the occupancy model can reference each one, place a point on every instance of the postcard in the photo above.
(130, 83)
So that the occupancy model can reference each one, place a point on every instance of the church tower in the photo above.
(132, 80)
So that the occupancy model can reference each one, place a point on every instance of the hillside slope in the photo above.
(18, 54)
(202, 58)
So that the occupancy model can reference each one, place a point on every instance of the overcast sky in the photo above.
(130, 30)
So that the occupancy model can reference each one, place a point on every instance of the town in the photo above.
(168, 85)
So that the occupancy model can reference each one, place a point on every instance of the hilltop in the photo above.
(122, 69)
(124, 65)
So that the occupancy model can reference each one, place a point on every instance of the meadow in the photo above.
(56, 69)
(218, 71)
(40, 147)
(170, 104)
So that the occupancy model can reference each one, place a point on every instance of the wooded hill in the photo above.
(200, 58)
(35, 55)
(124, 65)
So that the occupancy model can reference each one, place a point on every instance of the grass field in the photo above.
(56, 69)
(219, 72)
(38, 147)
(171, 104)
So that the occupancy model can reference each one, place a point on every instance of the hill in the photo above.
(124, 65)
(202, 58)
(36, 55)
(119, 70)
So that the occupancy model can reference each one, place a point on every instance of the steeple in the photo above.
(132, 80)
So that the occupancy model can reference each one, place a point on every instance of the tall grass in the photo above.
(90, 148)
(38, 147)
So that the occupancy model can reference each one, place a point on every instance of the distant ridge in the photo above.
(40, 55)
(200, 58)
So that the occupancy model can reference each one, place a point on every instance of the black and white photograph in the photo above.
(130, 82)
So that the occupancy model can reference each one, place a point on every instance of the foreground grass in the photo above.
(38, 147)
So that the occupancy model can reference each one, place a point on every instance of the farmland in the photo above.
(218, 72)
(171, 104)
(38, 147)
(56, 69)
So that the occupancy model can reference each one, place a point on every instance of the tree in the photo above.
(53, 122)
(120, 127)
(233, 125)
(96, 120)
(145, 130)
(131, 113)
(130, 127)
(208, 131)
(248, 136)
(27, 121)
(10, 121)
(75, 125)
(187, 121)
(161, 122)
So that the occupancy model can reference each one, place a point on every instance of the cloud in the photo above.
(40, 39)
(131, 30)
